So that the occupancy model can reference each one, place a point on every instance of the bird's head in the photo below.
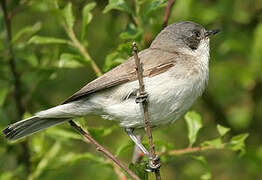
(184, 36)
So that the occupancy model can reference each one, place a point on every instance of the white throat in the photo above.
(201, 53)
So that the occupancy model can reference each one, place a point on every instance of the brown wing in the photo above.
(154, 62)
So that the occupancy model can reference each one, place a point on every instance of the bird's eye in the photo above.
(196, 33)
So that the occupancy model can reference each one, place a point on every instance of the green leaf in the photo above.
(120, 5)
(100, 131)
(216, 143)
(139, 170)
(3, 94)
(123, 148)
(30, 30)
(68, 16)
(194, 124)
(153, 6)
(68, 60)
(9, 175)
(125, 48)
(222, 130)
(207, 175)
(132, 33)
(255, 55)
(237, 143)
(112, 60)
(43, 164)
(87, 17)
(59, 133)
(73, 158)
(47, 40)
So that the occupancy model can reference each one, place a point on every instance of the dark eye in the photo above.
(197, 34)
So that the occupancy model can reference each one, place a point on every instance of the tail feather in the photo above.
(29, 126)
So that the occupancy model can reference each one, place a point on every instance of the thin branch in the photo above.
(119, 173)
(25, 156)
(12, 64)
(142, 92)
(191, 150)
(83, 51)
(167, 12)
(100, 148)
(22, 6)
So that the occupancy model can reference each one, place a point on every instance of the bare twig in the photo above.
(167, 12)
(103, 150)
(83, 51)
(25, 157)
(119, 173)
(142, 92)
(191, 150)
(12, 64)
(22, 6)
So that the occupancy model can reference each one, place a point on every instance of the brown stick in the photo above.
(25, 155)
(139, 70)
(192, 150)
(12, 64)
(120, 174)
(167, 12)
(103, 150)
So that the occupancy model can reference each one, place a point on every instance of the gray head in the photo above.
(183, 36)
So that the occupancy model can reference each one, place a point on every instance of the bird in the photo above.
(175, 74)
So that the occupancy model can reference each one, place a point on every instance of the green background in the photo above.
(233, 97)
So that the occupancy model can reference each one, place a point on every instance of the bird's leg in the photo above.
(152, 160)
(131, 134)
(141, 97)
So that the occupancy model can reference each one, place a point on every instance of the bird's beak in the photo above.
(211, 32)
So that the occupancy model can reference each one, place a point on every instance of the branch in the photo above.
(143, 94)
(191, 150)
(22, 6)
(167, 12)
(120, 174)
(100, 148)
(83, 51)
(25, 155)
(12, 65)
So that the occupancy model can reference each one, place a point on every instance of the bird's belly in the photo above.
(168, 101)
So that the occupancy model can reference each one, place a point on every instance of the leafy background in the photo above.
(51, 66)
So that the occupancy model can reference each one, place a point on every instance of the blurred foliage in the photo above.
(47, 37)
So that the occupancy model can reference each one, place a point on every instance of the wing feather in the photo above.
(154, 62)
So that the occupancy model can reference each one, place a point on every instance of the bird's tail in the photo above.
(29, 126)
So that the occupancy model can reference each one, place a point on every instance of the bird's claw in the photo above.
(141, 97)
(154, 164)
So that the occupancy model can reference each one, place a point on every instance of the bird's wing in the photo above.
(154, 62)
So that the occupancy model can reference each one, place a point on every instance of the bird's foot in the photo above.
(154, 164)
(141, 97)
